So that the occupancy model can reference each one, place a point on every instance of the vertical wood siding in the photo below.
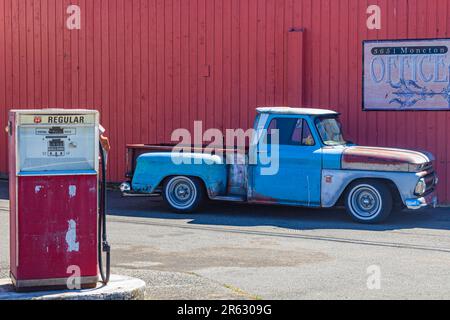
(151, 66)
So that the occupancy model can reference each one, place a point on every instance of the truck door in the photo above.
(297, 180)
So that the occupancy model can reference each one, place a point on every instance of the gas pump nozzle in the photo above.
(104, 141)
(103, 245)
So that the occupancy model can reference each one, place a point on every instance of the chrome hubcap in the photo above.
(182, 191)
(367, 201)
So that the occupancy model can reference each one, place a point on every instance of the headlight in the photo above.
(421, 187)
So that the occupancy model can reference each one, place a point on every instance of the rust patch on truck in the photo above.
(384, 159)
(262, 199)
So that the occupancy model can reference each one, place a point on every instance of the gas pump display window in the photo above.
(56, 148)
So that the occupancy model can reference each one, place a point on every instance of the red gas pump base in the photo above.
(51, 284)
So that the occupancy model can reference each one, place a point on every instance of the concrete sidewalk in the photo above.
(119, 288)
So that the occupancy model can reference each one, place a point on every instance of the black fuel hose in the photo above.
(103, 245)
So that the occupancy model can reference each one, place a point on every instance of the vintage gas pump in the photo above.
(57, 198)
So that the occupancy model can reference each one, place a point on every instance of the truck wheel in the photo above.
(183, 194)
(369, 201)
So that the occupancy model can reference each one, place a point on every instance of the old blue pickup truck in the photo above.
(311, 165)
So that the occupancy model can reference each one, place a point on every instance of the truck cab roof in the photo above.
(297, 111)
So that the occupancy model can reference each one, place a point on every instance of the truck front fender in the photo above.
(334, 183)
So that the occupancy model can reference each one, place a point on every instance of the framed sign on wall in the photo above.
(406, 75)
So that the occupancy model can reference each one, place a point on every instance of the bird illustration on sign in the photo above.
(408, 93)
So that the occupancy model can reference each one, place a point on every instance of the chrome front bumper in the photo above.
(429, 200)
(127, 191)
(125, 187)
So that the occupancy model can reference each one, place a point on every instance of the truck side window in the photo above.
(285, 126)
(292, 131)
(307, 137)
(302, 134)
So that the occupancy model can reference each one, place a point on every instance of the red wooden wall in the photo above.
(151, 66)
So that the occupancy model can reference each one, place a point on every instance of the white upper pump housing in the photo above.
(52, 141)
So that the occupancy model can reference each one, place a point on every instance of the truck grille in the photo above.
(430, 180)
(426, 167)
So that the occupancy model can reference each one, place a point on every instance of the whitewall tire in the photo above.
(183, 194)
(369, 201)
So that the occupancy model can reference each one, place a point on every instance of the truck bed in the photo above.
(135, 150)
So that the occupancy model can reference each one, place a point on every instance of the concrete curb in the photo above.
(118, 288)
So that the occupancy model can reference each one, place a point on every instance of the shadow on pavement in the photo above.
(245, 215)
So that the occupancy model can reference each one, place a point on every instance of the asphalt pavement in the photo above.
(235, 251)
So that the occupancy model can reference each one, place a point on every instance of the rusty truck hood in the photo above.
(385, 159)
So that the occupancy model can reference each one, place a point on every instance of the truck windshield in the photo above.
(330, 131)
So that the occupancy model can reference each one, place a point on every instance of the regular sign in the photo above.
(406, 75)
